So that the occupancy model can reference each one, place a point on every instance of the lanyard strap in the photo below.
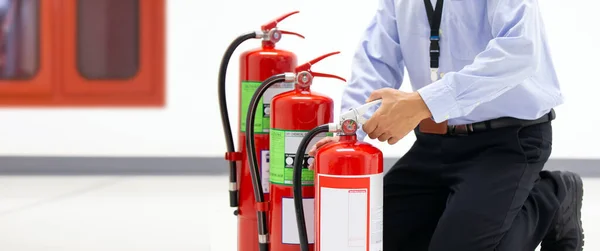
(435, 20)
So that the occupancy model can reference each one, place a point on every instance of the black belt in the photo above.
(498, 123)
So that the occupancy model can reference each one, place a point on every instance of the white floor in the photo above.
(143, 213)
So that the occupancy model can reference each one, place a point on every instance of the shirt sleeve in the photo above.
(377, 62)
(510, 58)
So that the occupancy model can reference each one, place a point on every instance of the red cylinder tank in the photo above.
(256, 66)
(348, 195)
(294, 114)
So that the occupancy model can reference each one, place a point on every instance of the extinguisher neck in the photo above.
(348, 138)
(302, 88)
(268, 44)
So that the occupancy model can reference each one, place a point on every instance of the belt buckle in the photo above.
(461, 130)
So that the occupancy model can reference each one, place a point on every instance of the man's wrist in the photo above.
(440, 100)
(423, 111)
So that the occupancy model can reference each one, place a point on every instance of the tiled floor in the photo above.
(142, 213)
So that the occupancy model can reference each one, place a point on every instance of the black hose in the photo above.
(253, 161)
(297, 184)
(233, 191)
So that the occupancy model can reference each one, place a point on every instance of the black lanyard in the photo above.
(435, 20)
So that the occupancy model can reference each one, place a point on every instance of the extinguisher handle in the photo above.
(291, 33)
(365, 108)
(361, 120)
(273, 23)
(325, 75)
(357, 114)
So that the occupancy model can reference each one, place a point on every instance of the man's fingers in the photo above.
(323, 142)
(378, 132)
(319, 144)
(370, 125)
(375, 132)
(312, 151)
(384, 137)
(376, 94)
(393, 140)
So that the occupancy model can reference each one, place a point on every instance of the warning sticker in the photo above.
(283, 147)
(262, 119)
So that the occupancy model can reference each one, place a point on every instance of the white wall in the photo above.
(198, 35)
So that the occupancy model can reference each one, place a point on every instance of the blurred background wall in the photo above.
(188, 126)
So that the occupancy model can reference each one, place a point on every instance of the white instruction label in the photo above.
(289, 225)
(354, 204)
(357, 199)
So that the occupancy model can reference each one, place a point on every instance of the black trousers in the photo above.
(479, 192)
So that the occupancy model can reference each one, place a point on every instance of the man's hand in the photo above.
(400, 112)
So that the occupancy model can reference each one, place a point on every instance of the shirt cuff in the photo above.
(440, 101)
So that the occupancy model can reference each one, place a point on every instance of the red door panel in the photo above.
(113, 49)
(27, 53)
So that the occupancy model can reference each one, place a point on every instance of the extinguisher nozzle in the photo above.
(233, 198)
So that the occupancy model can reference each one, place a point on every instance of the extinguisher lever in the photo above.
(358, 114)
(273, 23)
(306, 66)
(305, 74)
(269, 31)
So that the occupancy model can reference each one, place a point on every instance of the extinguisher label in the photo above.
(352, 204)
(264, 170)
(283, 147)
(262, 119)
(289, 224)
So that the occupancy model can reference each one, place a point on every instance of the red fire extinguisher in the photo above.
(293, 114)
(255, 66)
(348, 190)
